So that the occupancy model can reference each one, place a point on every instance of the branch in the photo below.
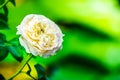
(6, 1)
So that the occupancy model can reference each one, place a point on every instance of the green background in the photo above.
(91, 47)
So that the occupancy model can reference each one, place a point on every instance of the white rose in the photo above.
(39, 35)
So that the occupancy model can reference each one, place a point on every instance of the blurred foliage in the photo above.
(6, 46)
(91, 47)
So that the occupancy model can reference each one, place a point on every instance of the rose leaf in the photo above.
(16, 52)
(3, 24)
(15, 41)
(2, 38)
(3, 19)
(40, 71)
(2, 1)
(3, 53)
(5, 10)
(3, 16)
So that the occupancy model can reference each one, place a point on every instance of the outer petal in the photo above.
(24, 44)
(39, 45)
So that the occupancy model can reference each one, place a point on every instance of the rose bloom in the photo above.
(39, 35)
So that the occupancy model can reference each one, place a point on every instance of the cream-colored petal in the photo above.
(24, 44)
(39, 35)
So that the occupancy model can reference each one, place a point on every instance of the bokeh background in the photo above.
(91, 47)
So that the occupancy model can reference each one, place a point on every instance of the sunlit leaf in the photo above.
(3, 53)
(16, 52)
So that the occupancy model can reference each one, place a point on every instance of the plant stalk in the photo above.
(29, 56)
(6, 1)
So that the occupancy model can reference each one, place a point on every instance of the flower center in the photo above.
(40, 37)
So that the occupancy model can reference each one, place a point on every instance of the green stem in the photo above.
(29, 56)
(6, 1)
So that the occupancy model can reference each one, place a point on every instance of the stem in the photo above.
(29, 56)
(6, 1)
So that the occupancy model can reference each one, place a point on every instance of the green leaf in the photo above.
(44, 78)
(2, 1)
(3, 16)
(2, 38)
(16, 49)
(3, 25)
(1, 77)
(3, 21)
(40, 71)
(3, 53)
(15, 41)
(13, 2)
(3, 48)
(5, 10)
(16, 52)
